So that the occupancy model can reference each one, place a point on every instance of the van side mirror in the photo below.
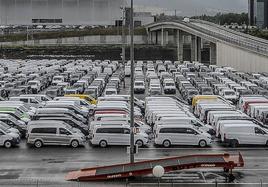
(196, 133)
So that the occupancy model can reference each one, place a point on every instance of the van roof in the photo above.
(174, 126)
(47, 122)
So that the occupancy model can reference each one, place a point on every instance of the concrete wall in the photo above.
(86, 40)
(240, 59)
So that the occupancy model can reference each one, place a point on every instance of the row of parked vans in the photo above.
(174, 124)
(111, 122)
(45, 122)
(233, 127)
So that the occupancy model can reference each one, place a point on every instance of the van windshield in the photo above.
(57, 78)
(139, 83)
(32, 83)
(69, 128)
(229, 93)
(169, 84)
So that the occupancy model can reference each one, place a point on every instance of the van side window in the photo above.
(196, 123)
(10, 123)
(64, 131)
(173, 130)
(110, 130)
(190, 131)
(126, 131)
(33, 101)
(25, 100)
(259, 131)
(44, 130)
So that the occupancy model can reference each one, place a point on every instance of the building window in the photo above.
(46, 20)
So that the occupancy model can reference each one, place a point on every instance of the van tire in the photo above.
(166, 143)
(234, 143)
(139, 143)
(103, 144)
(8, 144)
(38, 143)
(202, 143)
(74, 144)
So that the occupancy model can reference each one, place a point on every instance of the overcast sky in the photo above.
(191, 7)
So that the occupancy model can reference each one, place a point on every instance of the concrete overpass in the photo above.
(227, 47)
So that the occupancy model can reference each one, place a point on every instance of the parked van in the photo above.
(8, 138)
(12, 122)
(82, 96)
(243, 134)
(53, 133)
(41, 97)
(177, 121)
(116, 135)
(6, 127)
(167, 135)
(197, 98)
(55, 112)
(57, 79)
(32, 101)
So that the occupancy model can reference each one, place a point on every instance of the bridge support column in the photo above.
(199, 47)
(150, 37)
(162, 36)
(180, 45)
(193, 48)
(213, 53)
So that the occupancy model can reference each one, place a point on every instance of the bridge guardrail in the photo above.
(254, 47)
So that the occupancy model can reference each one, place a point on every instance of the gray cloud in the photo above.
(193, 7)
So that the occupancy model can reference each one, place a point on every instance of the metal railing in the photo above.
(260, 49)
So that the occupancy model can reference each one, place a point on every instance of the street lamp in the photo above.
(123, 41)
(158, 171)
(132, 84)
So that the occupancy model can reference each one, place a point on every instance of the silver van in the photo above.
(46, 132)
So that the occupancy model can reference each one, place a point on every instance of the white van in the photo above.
(57, 79)
(252, 108)
(213, 114)
(116, 135)
(110, 91)
(222, 123)
(31, 101)
(127, 71)
(167, 135)
(206, 109)
(41, 97)
(8, 138)
(245, 134)
(177, 121)
(46, 132)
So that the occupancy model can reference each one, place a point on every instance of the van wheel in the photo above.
(103, 144)
(234, 143)
(166, 143)
(7, 144)
(139, 143)
(74, 144)
(202, 143)
(38, 143)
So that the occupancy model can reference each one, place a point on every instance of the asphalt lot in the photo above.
(24, 166)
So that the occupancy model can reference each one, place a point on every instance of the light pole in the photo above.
(123, 42)
(132, 84)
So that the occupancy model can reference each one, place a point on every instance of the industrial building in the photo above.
(64, 12)
(258, 13)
